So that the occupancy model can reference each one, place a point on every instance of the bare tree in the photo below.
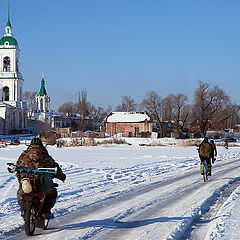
(185, 115)
(208, 103)
(84, 109)
(29, 98)
(99, 113)
(226, 118)
(167, 113)
(82, 106)
(175, 111)
(68, 109)
(153, 104)
(168, 108)
(179, 101)
(233, 120)
(128, 105)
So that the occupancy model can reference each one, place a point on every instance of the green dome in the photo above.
(12, 41)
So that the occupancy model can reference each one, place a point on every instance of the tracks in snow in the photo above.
(160, 205)
(198, 227)
(186, 219)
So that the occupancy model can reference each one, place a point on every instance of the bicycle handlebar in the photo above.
(19, 169)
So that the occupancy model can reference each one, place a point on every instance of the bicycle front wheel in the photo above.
(30, 220)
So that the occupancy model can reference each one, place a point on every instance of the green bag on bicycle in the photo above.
(46, 183)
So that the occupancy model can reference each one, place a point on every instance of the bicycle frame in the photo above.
(32, 213)
(204, 170)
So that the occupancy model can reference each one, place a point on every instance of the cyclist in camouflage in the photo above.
(36, 156)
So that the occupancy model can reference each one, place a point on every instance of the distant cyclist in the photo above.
(226, 143)
(213, 151)
(204, 152)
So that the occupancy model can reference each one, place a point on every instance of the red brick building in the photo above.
(195, 126)
(130, 124)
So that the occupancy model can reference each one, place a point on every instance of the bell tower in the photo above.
(13, 111)
(43, 112)
(42, 99)
(11, 80)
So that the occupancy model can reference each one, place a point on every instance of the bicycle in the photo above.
(33, 199)
(204, 171)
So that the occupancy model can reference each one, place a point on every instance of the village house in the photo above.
(129, 124)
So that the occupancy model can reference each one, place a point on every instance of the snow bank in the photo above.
(225, 224)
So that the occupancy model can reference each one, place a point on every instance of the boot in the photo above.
(48, 215)
(22, 213)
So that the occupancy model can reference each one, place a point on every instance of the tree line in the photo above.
(211, 109)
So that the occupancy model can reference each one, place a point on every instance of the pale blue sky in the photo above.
(112, 48)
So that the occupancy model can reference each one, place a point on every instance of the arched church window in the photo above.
(20, 94)
(41, 105)
(6, 64)
(17, 66)
(5, 94)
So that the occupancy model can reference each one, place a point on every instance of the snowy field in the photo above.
(132, 192)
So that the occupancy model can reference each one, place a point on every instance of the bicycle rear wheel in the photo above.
(204, 169)
(30, 220)
(205, 176)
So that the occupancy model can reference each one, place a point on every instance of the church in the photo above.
(13, 111)
(44, 118)
(42, 111)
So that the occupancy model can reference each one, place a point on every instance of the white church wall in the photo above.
(13, 111)
(2, 112)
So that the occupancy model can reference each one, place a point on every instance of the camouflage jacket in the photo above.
(37, 157)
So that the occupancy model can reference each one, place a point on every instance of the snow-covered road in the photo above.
(129, 192)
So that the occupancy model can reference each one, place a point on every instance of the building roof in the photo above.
(8, 37)
(5, 105)
(42, 91)
(12, 41)
(127, 117)
(55, 114)
(8, 22)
